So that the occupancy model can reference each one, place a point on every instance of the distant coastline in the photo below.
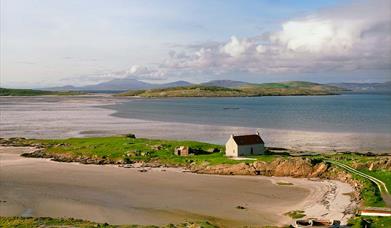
(217, 88)
(221, 88)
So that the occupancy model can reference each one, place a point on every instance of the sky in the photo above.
(53, 43)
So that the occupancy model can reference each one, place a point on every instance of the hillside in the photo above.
(122, 84)
(187, 91)
(31, 92)
(365, 87)
(290, 88)
(225, 83)
(293, 88)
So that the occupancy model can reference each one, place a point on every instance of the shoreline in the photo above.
(334, 207)
(67, 117)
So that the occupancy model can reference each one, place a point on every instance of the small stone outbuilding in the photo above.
(244, 145)
(182, 151)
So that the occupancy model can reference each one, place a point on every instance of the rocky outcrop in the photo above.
(294, 167)
(69, 158)
(19, 142)
(380, 163)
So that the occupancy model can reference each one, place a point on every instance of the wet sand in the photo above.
(39, 187)
(64, 117)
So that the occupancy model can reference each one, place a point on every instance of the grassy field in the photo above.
(69, 222)
(187, 91)
(31, 92)
(382, 175)
(370, 193)
(139, 149)
(267, 89)
(289, 89)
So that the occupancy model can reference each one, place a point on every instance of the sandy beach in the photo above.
(81, 116)
(39, 187)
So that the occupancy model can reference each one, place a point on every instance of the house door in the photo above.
(252, 151)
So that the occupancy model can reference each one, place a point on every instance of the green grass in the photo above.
(370, 193)
(187, 91)
(31, 92)
(284, 183)
(46, 222)
(350, 158)
(20, 222)
(376, 222)
(382, 175)
(139, 149)
(267, 89)
(295, 214)
(290, 88)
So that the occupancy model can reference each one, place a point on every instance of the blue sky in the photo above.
(47, 43)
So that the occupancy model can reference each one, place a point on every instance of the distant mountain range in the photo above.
(125, 84)
(225, 83)
(134, 84)
(365, 87)
(119, 85)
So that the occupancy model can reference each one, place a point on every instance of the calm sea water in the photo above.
(344, 113)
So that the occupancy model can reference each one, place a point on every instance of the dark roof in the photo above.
(248, 139)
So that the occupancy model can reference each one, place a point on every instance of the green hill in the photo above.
(187, 91)
(292, 88)
(32, 92)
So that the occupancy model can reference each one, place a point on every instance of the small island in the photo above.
(292, 88)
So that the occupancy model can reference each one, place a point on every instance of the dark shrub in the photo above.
(131, 136)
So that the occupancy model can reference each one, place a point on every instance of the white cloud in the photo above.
(143, 72)
(315, 35)
(353, 37)
(236, 47)
(347, 38)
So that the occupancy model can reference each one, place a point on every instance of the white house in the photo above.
(243, 145)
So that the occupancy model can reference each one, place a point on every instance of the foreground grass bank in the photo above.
(28, 222)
